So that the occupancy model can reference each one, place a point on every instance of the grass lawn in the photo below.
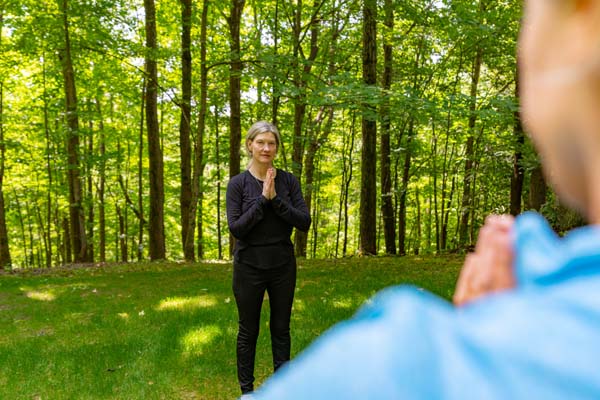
(167, 330)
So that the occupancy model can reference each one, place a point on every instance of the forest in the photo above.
(121, 122)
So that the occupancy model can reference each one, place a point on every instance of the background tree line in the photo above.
(121, 121)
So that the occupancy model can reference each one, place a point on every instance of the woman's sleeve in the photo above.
(296, 212)
(242, 223)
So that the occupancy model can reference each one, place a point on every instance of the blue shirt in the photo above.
(539, 341)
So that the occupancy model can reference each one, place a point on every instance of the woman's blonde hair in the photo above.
(262, 127)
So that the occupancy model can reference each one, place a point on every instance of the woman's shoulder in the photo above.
(239, 178)
(286, 175)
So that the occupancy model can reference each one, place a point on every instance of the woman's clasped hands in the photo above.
(269, 184)
(489, 268)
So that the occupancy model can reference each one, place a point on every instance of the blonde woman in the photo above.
(264, 204)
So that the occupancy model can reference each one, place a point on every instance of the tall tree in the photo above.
(156, 181)
(368, 198)
(347, 163)
(76, 212)
(518, 173)
(302, 68)
(102, 183)
(537, 188)
(467, 197)
(140, 173)
(300, 81)
(90, 188)
(387, 208)
(276, 98)
(185, 146)
(197, 193)
(5, 260)
(235, 78)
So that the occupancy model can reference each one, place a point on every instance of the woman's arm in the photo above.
(296, 212)
(241, 223)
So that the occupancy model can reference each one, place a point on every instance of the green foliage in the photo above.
(165, 330)
(434, 45)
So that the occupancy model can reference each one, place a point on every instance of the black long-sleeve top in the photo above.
(263, 227)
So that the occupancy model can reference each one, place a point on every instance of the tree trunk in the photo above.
(185, 146)
(446, 200)
(90, 193)
(199, 154)
(197, 192)
(368, 198)
(316, 214)
(302, 68)
(434, 200)
(140, 176)
(387, 207)
(348, 182)
(348, 147)
(276, 98)
(76, 212)
(156, 181)
(537, 189)
(67, 251)
(235, 76)
(446, 216)
(299, 103)
(102, 184)
(49, 161)
(467, 200)
(315, 139)
(417, 246)
(5, 260)
(404, 190)
(122, 236)
(218, 161)
(518, 173)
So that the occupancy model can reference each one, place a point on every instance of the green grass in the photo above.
(167, 330)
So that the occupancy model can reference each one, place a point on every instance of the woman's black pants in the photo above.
(249, 286)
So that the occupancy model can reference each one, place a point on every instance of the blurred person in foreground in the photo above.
(526, 320)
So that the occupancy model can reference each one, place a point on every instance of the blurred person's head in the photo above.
(559, 58)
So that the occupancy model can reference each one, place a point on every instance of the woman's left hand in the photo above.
(490, 268)
(269, 185)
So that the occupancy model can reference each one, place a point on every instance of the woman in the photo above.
(264, 204)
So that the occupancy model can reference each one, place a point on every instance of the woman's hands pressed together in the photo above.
(490, 267)
(269, 184)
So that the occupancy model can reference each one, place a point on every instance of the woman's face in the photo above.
(263, 147)
(558, 42)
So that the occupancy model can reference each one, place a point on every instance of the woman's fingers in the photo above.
(269, 184)
(463, 289)
(489, 268)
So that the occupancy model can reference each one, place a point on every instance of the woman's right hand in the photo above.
(490, 267)
(269, 185)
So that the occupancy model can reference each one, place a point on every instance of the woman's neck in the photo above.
(259, 170)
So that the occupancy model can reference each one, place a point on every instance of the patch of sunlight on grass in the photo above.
(186, 303)
(45, 295)
(342, 303)
(220, 262)
(299, 305)
(197, 340)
